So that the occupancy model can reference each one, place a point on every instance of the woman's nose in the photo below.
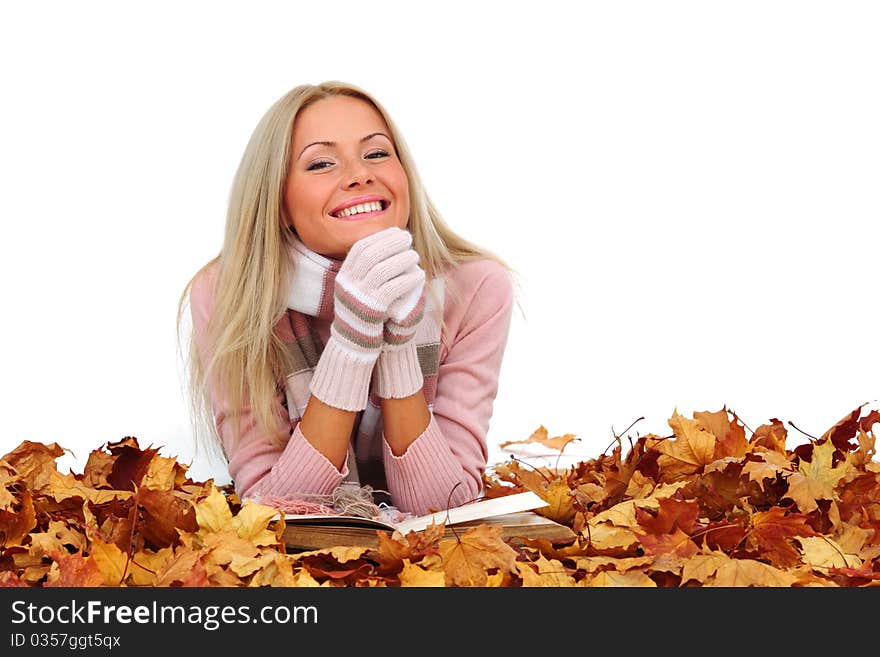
(356, 172)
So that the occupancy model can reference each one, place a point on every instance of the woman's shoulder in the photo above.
(483, 277)
(203, 289)
(482, 295)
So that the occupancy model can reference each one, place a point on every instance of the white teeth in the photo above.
(357, 209)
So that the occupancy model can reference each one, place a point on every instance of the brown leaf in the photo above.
(17, 523)
(772, 533)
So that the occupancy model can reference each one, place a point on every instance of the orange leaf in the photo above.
(540, 436)
(467, 561)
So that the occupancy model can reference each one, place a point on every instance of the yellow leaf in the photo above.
(550, 572)
(160, 473)
(111, 561)
(692, 448)
(62, 487)
(613, 578)
(819, 467)
(414, 575)
(805, 491)
(824, 552)
(144, 566)
(748, 572)
(304, 579)
(703, 567)
(252, 521)
(243, 565)
(279, 572)
(465, 561)
(770, 465)
(620, 564)
(604, 536)
(213, 512)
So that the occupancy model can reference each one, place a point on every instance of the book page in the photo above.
(474, 511)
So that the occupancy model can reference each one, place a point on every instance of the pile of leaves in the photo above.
(703, 506)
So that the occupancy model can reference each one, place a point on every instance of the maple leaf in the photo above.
(213, 513)
(423, 574)
(821, 467)
(73, 570)
(703, 567)
(804, 491)
(97, 468)
(748, 572)
(692, 448)
(185, 568)
(58, 536)
(772, 533)
(672, 514)
(278, 572)
(718, 569)
(597, 564)
(603, 536)
(304, 578)
(544, 572)
(547, 485)
(540, 435)
(145, 565)
(466, 560)
(130, 465)
(252, 521)
(630, 579)
(823, 552)
(395, 549)
(858, 496)
(765, 464)
(770, 436)
(165, 514)
(112, 562)
(677, 543)
(730, 435)
(15, 524)
(846, 428)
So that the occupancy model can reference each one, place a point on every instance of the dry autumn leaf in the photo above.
(709, 505)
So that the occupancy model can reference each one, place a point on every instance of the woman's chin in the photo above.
(356, 230)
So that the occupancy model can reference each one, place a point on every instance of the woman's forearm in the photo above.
(404, 420)
(328, 429)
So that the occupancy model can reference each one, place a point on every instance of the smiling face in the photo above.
(344, 181)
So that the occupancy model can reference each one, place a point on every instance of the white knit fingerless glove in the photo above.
(377, 270)
(398, 372)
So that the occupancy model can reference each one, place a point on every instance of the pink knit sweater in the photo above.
(453, 447)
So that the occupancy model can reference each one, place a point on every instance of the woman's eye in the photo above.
(316, 165)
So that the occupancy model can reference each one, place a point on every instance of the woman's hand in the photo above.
(378, 269)
(399, 373)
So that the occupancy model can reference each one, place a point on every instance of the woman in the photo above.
(345, 339)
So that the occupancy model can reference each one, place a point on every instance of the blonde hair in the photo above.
(248, 359)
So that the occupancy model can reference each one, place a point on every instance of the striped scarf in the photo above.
(311, 297)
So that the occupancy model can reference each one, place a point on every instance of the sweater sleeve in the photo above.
(257, 466)
(443, 467)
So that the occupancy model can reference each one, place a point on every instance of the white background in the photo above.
(689, 191)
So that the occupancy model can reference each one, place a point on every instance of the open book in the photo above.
(514, 513)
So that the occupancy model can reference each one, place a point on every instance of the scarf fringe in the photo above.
(345, 500)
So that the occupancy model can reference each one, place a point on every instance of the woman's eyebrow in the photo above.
(333, 143)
